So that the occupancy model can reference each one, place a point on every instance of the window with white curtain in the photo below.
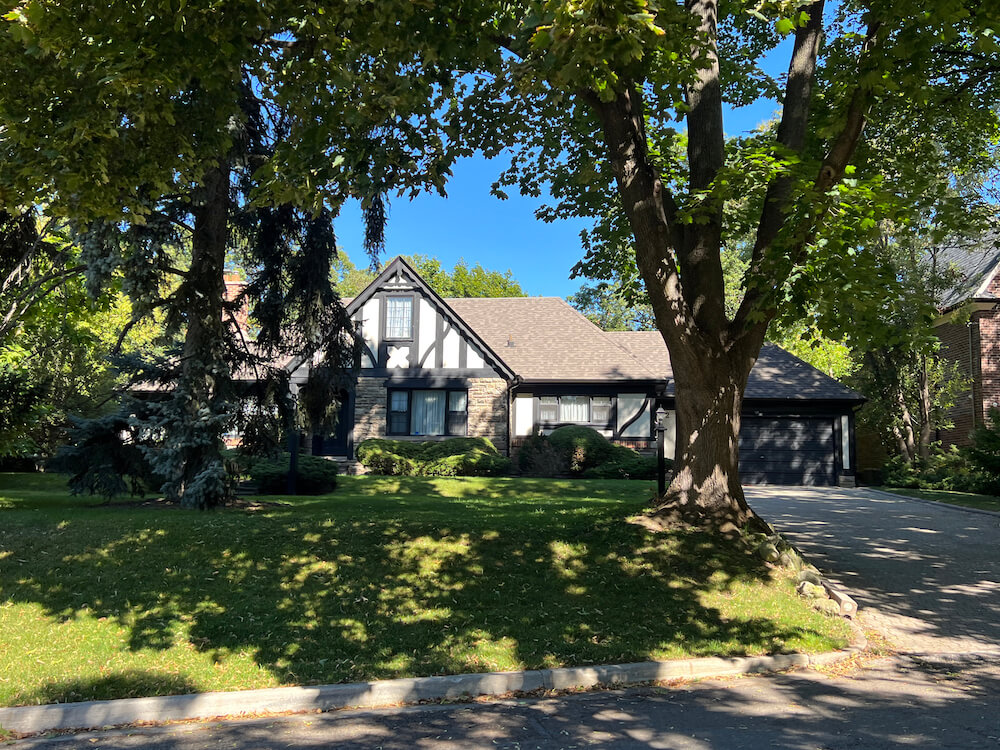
(399, 317)
(428, 412)
(574, 409)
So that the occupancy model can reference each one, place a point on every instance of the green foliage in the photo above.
(985, 450)
(537, 457)
(102, 454)
(469, 457)
(625, 463)
(580, 447)
(584, 452)
(315, 475)
(461, 281)
(609, 310)
(943, 469)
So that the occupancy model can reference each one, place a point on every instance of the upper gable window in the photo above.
(399, 317)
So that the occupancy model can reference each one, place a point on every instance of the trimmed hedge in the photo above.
(453, 457)
(315, 476)
(625, 463)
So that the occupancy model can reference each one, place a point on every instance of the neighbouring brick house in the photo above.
(510, 367)
(969, 329)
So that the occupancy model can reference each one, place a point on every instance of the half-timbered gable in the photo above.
(408, 330)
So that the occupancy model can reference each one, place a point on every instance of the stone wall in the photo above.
(369, 409)
(488, 410)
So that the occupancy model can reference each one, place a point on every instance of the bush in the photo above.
(580, 447)
(625, 464)
(538, 458)
(316, 476)
(453, 457)
(944, 469)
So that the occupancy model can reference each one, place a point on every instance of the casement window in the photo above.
(428, 413)
(399, 413)
(548, 409)
(600, 409)
(595, 410)
(574, 408)
(398, 318)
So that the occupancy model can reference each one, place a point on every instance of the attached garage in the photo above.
(788, 450)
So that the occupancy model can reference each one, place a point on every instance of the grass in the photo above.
(968, 499)
(387, 577)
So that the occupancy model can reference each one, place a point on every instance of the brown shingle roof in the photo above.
(777, 373)
(550, 340)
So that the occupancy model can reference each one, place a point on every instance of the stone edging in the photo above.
(26, 720)
(925, 501)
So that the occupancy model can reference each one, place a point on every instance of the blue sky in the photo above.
(473, 225)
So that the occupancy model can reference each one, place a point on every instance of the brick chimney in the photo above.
(234, 287)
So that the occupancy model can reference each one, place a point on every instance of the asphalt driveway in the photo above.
(927, 574)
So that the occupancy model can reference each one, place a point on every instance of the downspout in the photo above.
(972, 372)
(511, 387)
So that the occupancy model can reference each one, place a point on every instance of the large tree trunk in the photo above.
(198, 476)
(925, 409)
(904, 430)
(706, 486)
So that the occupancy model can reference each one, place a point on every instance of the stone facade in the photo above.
(369, 409)
(487, 409)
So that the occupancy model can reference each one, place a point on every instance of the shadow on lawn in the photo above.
(133, 683)
(317, 597)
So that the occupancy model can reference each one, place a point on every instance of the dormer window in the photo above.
(399, 317)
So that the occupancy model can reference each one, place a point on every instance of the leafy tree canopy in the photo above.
(461, 281)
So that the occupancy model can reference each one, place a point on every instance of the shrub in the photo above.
(581, 447)
(625, 464)
(944, 469)
(469, 457)
(316, 476)
(538, 458)
(389, 457)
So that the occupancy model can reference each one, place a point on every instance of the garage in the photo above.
(788, 450)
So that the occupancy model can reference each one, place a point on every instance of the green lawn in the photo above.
(968, 499)
(385, 578)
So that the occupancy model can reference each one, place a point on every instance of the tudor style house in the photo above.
(510, 367)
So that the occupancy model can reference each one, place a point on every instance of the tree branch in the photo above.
(792, 128)
(759, 299)
(648, 204)
(698, 253)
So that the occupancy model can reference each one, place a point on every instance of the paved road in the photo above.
(937, 702)
(927, 573)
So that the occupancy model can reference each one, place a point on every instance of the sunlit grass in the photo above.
(968, 499)
(385, 578)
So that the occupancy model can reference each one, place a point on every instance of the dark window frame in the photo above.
(385, 317)
(609, 424)
(450, 417)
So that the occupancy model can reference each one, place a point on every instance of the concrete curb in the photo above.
(949, 506)
(26, 720)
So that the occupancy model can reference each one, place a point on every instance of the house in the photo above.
(506, 368)
(969, 329)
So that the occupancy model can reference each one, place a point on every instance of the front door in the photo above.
(335, 443)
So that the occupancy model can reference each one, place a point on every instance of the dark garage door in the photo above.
(787, 450)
